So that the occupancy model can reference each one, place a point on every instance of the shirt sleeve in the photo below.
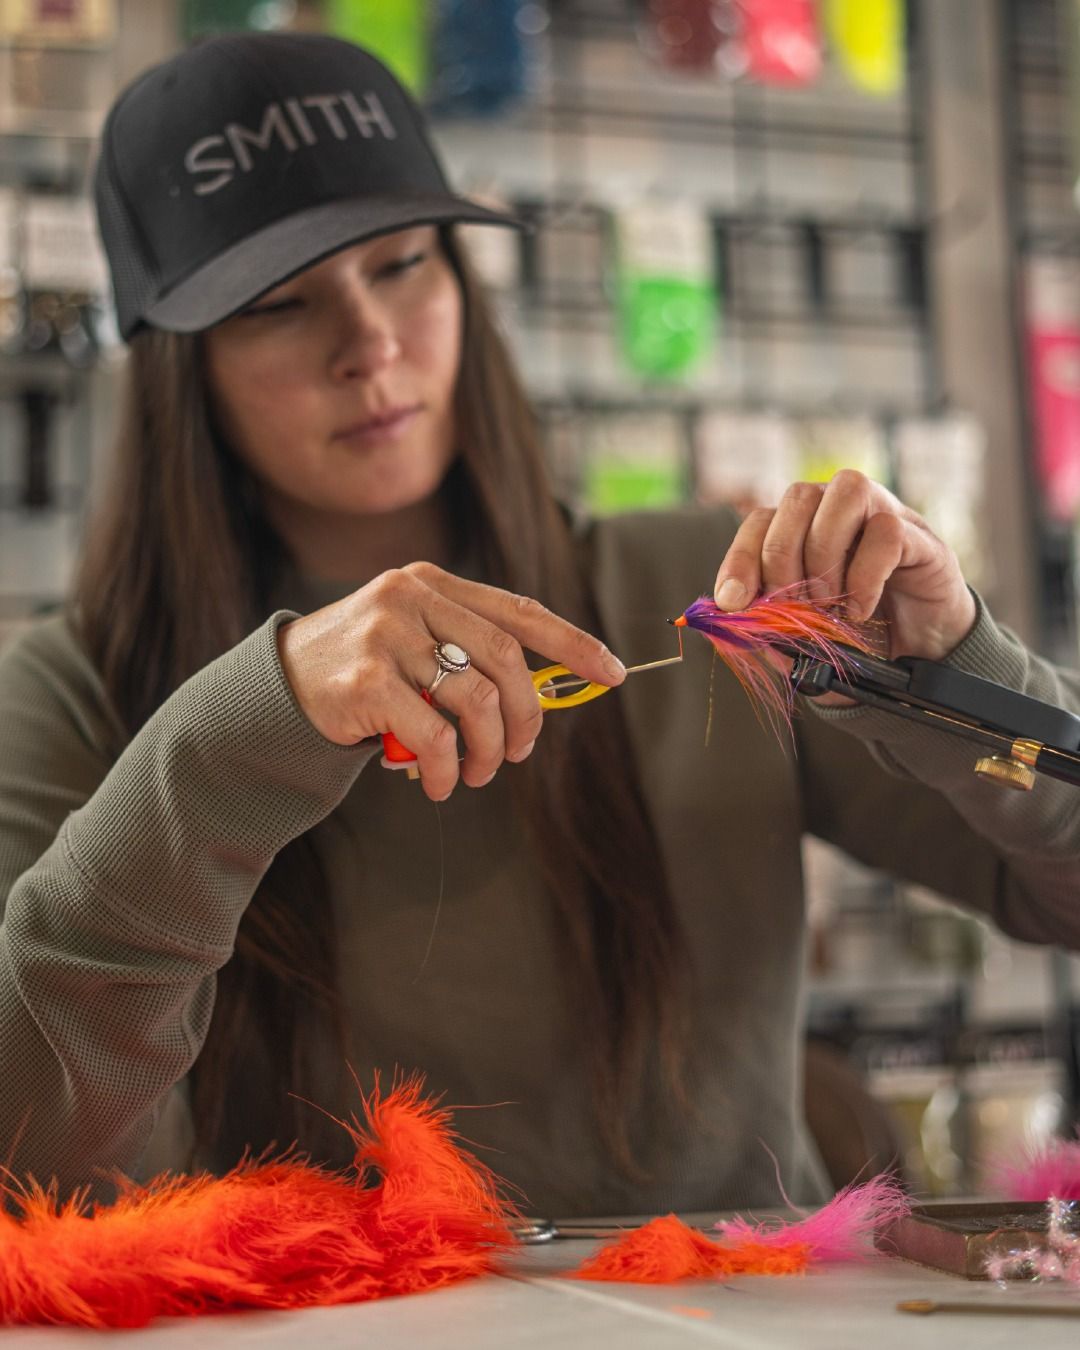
(914, 805)
(122, 885)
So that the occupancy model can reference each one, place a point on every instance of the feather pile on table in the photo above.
(414, 1212)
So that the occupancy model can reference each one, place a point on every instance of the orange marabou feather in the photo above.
(270, 1234)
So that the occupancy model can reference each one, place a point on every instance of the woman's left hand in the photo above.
(852, 538)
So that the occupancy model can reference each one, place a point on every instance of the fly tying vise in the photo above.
(784, 644)
(814, 652)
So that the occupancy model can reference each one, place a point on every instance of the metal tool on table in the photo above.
(1020, 1308)
(538, 1231)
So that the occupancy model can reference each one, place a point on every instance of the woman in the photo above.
(215, 897)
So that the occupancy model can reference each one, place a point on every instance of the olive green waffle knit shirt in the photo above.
(125, 870)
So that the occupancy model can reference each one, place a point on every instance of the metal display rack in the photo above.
(830, 235)
(817, 203)
(1045, 225)
(1044, 215)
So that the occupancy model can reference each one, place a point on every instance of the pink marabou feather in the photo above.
(1051, 1171)
(841, 1230)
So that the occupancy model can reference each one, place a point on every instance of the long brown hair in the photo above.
(178, 566)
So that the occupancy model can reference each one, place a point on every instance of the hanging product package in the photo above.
(686, 35)
(665, 287)
(781, 41)
(72, 24)
(199, 18)
(634, 461)
(829, 444)
(744, 459)
(940, 466)
(481, 55)
(868, 38)
(395, 30)
(1053, 344)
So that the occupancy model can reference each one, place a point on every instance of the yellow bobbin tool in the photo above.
(556, 692)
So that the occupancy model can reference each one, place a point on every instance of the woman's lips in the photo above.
(387, 426)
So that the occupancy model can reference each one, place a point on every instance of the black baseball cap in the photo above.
(239, 162)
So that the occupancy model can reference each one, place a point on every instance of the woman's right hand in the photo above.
(357, 668)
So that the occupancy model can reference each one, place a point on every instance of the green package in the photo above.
(666, 290)
(633, 462)
(200, 17)
(395, 30)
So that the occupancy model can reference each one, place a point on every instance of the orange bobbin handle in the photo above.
(398, 756)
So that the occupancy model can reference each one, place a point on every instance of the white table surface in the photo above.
(529, 1308)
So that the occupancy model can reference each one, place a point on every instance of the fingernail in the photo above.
(523, 753)
(613, 665)
(731, 595)
(485, 781)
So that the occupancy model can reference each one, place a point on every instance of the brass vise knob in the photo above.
(1006, 772)
(1016, 769)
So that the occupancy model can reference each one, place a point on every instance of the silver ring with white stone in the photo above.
(451, 660)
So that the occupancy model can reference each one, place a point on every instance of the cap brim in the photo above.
(267, 258)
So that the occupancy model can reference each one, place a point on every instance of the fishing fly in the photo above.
(756, 643)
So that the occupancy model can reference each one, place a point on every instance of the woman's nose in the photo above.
(365, 339)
